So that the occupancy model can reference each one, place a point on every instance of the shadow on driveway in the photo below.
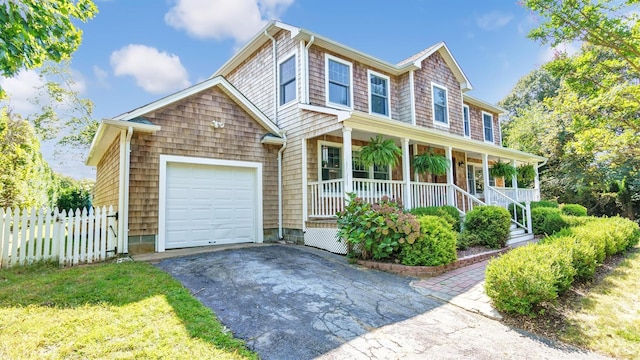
(293, 302)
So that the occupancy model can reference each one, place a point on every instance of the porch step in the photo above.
(520, 237)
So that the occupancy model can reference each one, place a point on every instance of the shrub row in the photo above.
(531, 275)
(485, 226)
(449, 213)
(385, 231)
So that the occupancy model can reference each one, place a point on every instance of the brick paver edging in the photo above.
(430, 271)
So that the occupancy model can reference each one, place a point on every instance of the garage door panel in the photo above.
(209, 204)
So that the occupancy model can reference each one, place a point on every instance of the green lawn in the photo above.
(608, 319)
(128, 310)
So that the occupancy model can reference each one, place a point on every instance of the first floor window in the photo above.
(331, 163)
(288, 80)
(487, 120)
(373, 172)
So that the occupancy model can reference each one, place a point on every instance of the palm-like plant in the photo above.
(526, 175)
(432, 163)
(503, 169)
(379, 152)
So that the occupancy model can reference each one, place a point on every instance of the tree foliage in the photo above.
(63, 113)
(34, 31)
(25, 179)
(590, 128)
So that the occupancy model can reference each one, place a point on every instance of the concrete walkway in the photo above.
(463, 287)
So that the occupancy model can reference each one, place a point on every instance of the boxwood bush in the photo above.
(527, 276)
(447, 212)
(544, 203)
(435, 246)
(546, 220)
(530, 275)
(487, 226)
(574, 210)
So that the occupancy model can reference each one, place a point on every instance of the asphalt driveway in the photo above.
(292, 302)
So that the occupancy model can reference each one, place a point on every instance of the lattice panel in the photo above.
(325, 239)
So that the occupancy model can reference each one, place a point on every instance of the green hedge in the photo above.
(447, 212)
(435, 246)
(486, 226)
(574, 210)
(533, 274)
(544, 204)
(547, 220)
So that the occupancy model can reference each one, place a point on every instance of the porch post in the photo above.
(406, 173)
(347, 173)
(449, 156)
(485, 177)
(514, 182)
(536, 183)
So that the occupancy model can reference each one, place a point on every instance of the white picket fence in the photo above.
(77, 237)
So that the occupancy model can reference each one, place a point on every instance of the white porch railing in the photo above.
(372, 191)
(428, 194)
(327, 198)
(465, 202)
(29, 235)
(519, 213)
(524, 195)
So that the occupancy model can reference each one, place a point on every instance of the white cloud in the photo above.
(549, 53)
(154, 71)
(100, 74)
(221, 19)
(493, 20)
(22, 89)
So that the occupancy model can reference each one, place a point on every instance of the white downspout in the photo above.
(412, 98)
(284, 146)
(121, 192)
(275, 76)
(306, 69)
(125, 212)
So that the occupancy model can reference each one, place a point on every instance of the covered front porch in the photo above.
(333, 170)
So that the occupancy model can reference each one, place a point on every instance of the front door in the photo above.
(475, 181)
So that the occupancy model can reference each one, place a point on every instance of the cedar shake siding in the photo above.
(434, 69)
(108, 177)
(187, 131)
(477, 126)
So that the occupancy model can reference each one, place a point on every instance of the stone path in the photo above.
(463, 287)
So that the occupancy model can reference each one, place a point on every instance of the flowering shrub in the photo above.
(376, 231)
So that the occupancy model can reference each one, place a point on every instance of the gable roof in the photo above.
(109, 128)
(412, 63)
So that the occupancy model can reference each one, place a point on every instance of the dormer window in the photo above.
(338, 82)
(440, 109)
(378, 93)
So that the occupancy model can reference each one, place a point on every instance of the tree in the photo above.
(34, 31)
(74, 194)
(533, 88)
(611, 24)
(63, 112)
(25, 178)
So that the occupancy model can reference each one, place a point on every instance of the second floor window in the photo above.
(288, 80)
(379, 92)
(338, 82)
(466, 121)
(487, 120)
(440, 111)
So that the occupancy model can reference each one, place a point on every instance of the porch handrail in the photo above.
(327, 198)
(468, 200)
(428, 194)
(372, 190)
(504, 201)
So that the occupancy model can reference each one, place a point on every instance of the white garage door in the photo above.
(209, 205)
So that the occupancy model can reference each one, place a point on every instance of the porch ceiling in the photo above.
(366, 126)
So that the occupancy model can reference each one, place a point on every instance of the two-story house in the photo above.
(267, 147)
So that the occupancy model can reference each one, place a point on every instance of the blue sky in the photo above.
(134, 52)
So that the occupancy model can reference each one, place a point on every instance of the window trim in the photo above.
(295, 79)
(388, 80)
(465, 106)
(328, 103)
(433, 104)
(484, 134)
(354, 148)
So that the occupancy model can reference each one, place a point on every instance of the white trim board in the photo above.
(162, 190)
